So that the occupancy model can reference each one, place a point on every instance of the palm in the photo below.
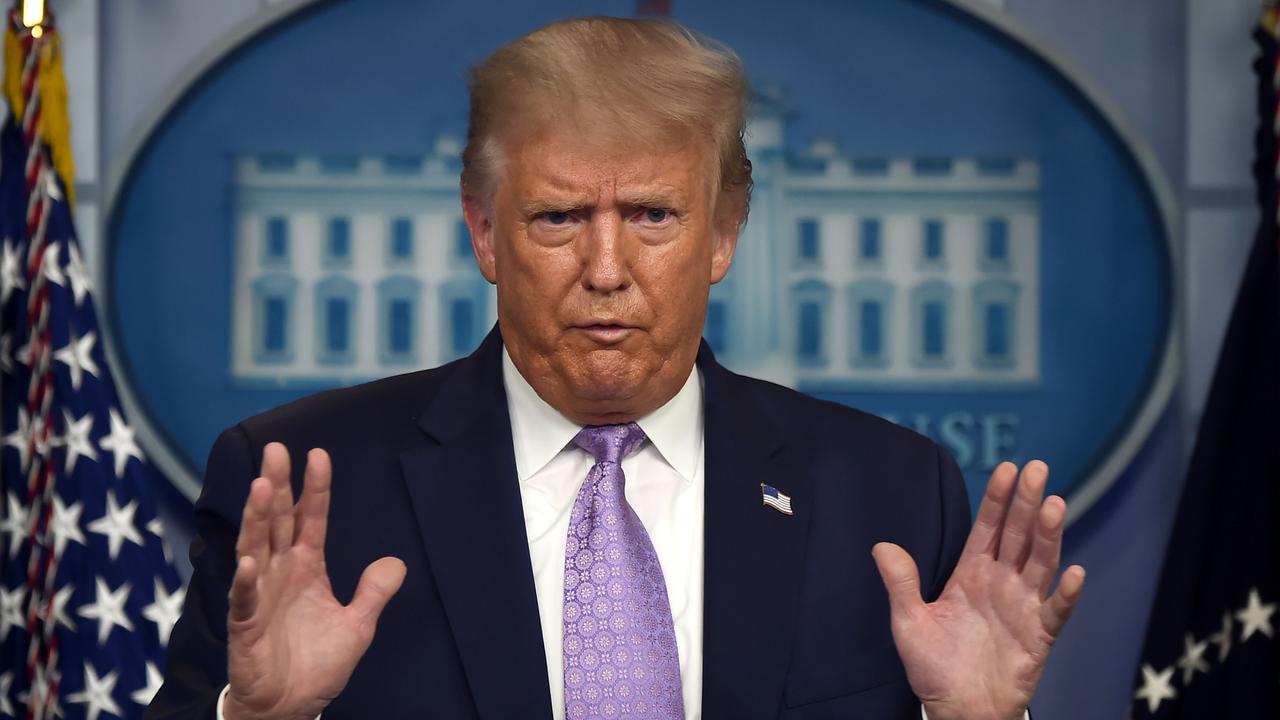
(292, 645)
(979, 650)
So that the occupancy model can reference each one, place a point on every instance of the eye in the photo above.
(657, 215)
(556, 218)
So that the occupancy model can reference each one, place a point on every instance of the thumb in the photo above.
(901, 579)
(377, 584)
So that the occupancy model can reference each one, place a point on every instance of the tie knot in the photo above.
(610, 443)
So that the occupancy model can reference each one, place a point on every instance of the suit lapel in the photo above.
(464, 491)
(754, 554)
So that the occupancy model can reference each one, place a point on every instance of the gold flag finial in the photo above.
(33, 66)
(33, 16)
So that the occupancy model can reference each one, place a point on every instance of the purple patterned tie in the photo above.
(620, 659)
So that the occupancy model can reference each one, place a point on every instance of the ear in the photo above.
(730, 207)
(479, 218)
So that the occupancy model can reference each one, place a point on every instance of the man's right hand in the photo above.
(291, 645)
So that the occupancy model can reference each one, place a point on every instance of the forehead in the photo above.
(595, 159)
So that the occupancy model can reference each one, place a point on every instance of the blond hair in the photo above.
(656, 78)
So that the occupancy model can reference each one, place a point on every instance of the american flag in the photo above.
(776, 500)
(87, 595)
(1212, 648)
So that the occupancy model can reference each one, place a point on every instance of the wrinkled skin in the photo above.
(603, 254)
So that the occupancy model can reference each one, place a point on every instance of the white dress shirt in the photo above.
(663, 486)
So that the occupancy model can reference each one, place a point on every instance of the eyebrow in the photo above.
(644, 197)
(540, 205)
(653, 197)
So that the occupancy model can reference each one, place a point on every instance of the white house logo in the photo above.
(986, 262)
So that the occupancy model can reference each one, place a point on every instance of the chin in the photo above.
(606, 375)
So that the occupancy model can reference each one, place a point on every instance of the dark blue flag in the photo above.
(87, 596)
(1212, 649)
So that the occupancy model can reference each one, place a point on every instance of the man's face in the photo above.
(603, 253)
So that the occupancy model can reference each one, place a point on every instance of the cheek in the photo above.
(675, 284)
(533, 280)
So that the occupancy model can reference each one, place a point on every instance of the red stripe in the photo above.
(29, 129)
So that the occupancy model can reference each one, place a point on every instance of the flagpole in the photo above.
(42, 658)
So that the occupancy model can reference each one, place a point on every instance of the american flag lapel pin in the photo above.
(776, 500)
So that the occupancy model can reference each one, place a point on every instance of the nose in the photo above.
(603, 250)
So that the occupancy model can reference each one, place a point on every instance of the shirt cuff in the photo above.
(222, 696)
(1027, 714)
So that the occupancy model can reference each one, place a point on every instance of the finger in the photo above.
(1055, 613)
(255, 526)
(1020, 523)
(1046, 548)
(901, 579)
(984, 538)
(377, 584)
(243, 600)
(313, 506)
(275, 467)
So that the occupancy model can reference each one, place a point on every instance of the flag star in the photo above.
(120, 443)
(1255, 617)
(1156, 687)
(77, 355)
(1222, 638)
(76, 438)
(6, 686)
(11, 610)
(20, 439)
(22, 355)
(57, 610)
(65, 525)
(77, 274)
(51, 184)
(144, 695)
(6, 353)
(155, 527)
(108, 609)
(11, 273)
(97, 694)
(1192, 660)
(15, 524)
(117, 525)
(39, 440)
(38, 695)
(49, 265)
(164, 612)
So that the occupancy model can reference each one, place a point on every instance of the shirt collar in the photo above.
(539, 432)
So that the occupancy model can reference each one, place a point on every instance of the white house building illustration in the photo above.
(853, 272)
(352, 267)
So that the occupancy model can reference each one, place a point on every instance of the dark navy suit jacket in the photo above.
(796, 619)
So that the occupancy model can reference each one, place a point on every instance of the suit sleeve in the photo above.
(956, 520)
(196, 666)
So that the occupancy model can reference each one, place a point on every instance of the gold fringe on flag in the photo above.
(55, 122)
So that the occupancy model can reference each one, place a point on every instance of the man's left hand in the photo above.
(978, 651)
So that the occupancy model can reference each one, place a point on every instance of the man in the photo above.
(589, 517)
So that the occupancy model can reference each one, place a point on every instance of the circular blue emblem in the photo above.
(948, 228)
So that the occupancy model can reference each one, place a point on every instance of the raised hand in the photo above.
(291, 645)
(979, 650)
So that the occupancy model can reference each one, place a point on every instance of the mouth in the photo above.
(606, 333)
